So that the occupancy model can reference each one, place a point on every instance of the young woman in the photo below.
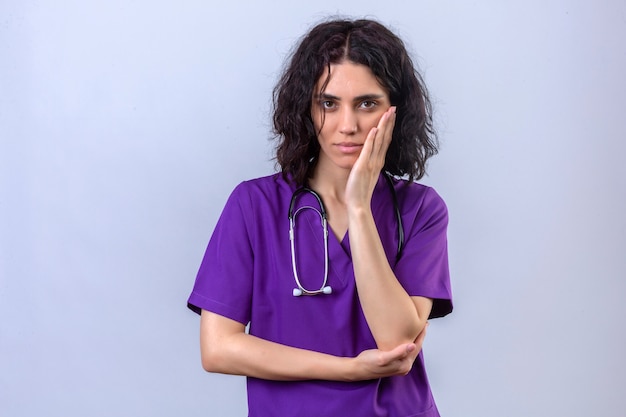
(337, 312)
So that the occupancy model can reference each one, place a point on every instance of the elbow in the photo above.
(219, 342)
(420, 326)
(419, 322)
(400, 332)
(413, 331)
(417, 328)
(211, 360)
(208, 363)
(405, 335)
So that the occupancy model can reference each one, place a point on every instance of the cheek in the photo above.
(320, 121)
(371, 120)
(325, 124)
(315, 116)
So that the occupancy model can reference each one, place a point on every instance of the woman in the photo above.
(336, 328)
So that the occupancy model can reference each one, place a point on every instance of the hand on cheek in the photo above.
(367, 168)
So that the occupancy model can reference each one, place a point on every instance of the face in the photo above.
(344, 113)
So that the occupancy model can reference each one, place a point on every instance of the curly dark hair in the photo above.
(365, 42)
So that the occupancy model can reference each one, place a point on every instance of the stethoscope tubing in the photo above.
(326, 289)
(292, 220)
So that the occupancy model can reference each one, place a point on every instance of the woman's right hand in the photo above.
(376, 363)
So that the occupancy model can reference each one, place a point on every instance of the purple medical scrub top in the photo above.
(246, 275)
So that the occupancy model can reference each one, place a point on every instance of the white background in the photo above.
(124, 125)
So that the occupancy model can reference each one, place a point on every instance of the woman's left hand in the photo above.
(367, 168)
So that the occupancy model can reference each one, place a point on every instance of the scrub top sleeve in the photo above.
(224, 281)
(423, 267)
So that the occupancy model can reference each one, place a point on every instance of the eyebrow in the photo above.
(364, 97)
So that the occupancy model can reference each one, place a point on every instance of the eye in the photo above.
(368, 104)
(327, 104)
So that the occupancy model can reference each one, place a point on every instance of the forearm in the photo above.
(244, 354)
(390, 312)
(226, 348)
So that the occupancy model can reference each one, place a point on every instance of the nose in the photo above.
(349, 125)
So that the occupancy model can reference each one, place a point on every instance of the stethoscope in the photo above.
(324, 288)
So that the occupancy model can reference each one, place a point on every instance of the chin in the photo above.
(341, 162)
(346, 162)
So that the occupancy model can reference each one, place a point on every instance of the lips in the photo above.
(349, 147)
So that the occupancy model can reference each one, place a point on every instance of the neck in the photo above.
(330, 183)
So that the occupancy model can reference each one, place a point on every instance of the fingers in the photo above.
(370, 141)
(399, 353)
(405, 352)
(387, 122)
(380, 136)
(378, 139)
(401, 359)
(375, 363)
(371, 160)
